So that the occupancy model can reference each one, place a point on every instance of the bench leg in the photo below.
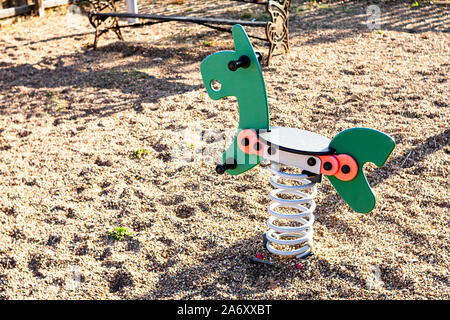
(117, 29)
(95, 22)
(107, 24)
(277, 30)
(96, 38)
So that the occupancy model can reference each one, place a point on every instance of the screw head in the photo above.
(271, 151)
(311, 161)
(220, 169)
(345, 169)
(232, 65)
(327, 165)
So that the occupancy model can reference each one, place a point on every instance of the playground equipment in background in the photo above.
(105, 17)
(341, 159)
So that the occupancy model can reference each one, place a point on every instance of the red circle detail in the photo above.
(250, 134)
(334, 165)
(345, 159)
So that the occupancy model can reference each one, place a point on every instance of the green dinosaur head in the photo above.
(247, 85)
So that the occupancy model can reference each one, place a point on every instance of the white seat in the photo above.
(296, 141)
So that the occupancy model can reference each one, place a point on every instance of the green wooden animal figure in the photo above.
(341, 159)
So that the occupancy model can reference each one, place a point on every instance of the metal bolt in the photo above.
(327, 166)
(345, 169)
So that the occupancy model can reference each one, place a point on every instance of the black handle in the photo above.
(221, 168)
(242, 62)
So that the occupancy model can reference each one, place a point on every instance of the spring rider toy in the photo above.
(341, 159)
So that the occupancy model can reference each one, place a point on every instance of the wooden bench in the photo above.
(104, 17)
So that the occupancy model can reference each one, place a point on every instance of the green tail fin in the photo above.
(364, 145)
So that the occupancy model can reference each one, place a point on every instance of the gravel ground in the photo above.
(72, 120)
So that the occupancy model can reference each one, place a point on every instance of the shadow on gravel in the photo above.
(231, 270)
(346, 19)
(61, 76)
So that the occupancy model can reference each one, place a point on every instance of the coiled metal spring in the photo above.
(295, 237)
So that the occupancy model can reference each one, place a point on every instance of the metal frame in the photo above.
(277, 31)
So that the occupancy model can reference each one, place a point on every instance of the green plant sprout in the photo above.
(139, 153)
(119, 233)
(300, 9)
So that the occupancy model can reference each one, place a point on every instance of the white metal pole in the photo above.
(132, 7)
(40, 8)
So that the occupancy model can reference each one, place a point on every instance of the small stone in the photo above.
(103, 163)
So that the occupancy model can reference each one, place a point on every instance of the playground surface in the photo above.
(89, 142)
